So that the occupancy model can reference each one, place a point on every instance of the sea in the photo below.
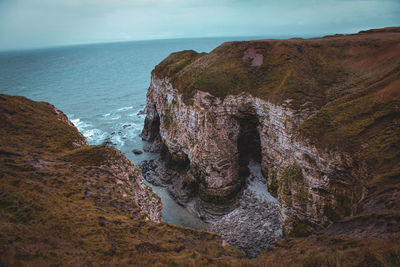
(102, 89)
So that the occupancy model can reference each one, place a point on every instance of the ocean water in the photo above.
(102, 89)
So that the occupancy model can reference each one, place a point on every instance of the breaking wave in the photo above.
(125, 108)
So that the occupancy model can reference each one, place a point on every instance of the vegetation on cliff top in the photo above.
(351, 86)
(62, 205)
(349, 83)
(60, 202)
(309, 72)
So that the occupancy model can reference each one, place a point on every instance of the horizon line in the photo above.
(55, 46)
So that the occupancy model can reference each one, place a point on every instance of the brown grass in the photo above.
(60, 204)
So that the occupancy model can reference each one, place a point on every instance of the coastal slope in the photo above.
(330, 156)
(63, 202)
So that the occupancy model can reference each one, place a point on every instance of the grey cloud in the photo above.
(34, 23)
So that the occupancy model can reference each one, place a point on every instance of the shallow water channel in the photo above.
(172, 211)
(175, 213)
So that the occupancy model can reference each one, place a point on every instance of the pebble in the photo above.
(253, 227)
(256, 222)
(137, 151)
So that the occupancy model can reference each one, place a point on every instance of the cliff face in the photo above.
(321, 116)
(64, 202)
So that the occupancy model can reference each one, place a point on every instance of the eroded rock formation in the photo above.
(63, 202)
(313, 112)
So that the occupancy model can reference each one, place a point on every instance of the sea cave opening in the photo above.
(152, 127)
(248, 144)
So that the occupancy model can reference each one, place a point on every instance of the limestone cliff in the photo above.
(320, 115)
(63, 202)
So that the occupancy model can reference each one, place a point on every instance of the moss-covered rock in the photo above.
(292, 186)
(272, 182)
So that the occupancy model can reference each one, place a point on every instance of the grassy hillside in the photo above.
(63, 202)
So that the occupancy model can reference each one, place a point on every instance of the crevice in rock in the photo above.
(248, 144)
(255, 224)
(151, 133)
(177, 161)
(151, 128)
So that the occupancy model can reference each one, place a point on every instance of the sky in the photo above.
(43, 23)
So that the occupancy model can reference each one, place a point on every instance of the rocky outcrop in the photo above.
(130, 194)
(129, 177)
(73, 148)
(262, 101)
(207, 134)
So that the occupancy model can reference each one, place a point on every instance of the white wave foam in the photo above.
(107, 114)
(131, 130)
(135, 114)
(95, 136)
(80, 124)
(125, 131)
(75, 122)
(118, 140)
(115, 117)
(125, 108)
